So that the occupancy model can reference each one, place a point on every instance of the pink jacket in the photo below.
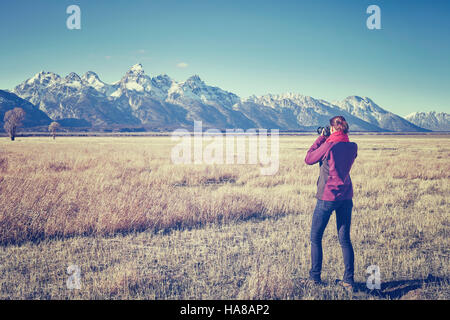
(336, 159)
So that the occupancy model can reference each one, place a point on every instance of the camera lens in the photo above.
(319, 130)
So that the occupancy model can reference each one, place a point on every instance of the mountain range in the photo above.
(436, 121)
(160, 102)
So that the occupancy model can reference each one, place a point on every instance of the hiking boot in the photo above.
(311, 282)
(347, 286)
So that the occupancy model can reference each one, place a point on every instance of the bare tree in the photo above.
(13, 120)
(53, 127)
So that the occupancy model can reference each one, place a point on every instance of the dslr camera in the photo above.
(326, 131)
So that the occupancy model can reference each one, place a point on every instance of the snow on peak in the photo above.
(73, 80)
(363, 104)
(437, 121)
(163, 82)
(290, 95)
(91, 79)
(194, 78)
(44, 78)
(137, 68)
(90, 76)
(414, 114)
(355, 98)
(163, 79)
(136, 80)
(195, 89)
(73, 77)
(280, 100)
(194, 81)
(360, 100)
(162, 76)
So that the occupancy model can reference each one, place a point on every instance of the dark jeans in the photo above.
(320, 219)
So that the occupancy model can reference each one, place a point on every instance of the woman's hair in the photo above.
(339, 124)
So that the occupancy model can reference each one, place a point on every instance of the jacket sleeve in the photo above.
(317, 151)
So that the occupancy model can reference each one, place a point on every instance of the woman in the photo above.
(335, 154)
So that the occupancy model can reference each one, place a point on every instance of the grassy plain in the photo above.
(141, 227)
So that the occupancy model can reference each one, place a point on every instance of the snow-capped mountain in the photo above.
(436, 121)
(137, 82)
(74, 97)
(307, 111)
(195, 89)
(364, 108)
(161, 102)
(92, 80)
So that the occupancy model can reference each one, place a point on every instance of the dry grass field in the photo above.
(140, 227)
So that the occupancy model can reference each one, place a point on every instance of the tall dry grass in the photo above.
(107, 186)
(142, 227)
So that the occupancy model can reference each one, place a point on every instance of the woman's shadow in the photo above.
(406, 289)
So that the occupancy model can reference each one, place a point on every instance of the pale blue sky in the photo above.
(320, 48)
